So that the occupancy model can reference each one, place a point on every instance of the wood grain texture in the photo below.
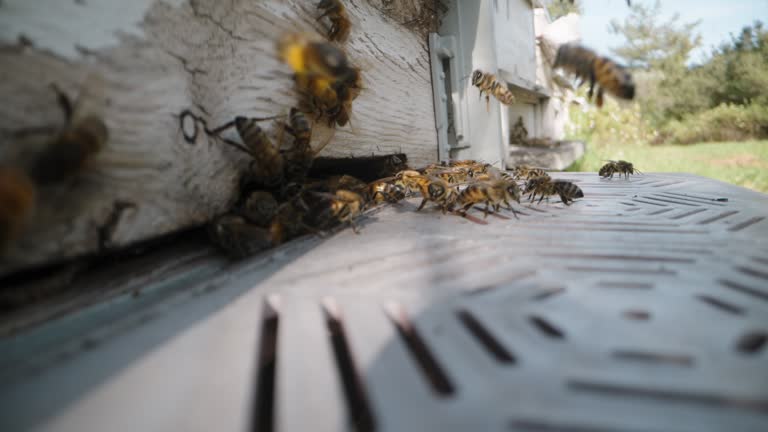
(216, 58)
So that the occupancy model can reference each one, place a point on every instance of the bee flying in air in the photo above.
(83, 135)
(337, 15)
(602, 72)
(17, 203)
(325, 80)
(493, 193)
(545, 186)
(488, 84)
(620, 167)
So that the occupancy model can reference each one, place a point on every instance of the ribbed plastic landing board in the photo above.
(642, 307)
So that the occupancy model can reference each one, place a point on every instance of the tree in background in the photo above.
(560, 8)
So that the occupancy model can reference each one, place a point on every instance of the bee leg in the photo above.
(64, 102)
(423, 203)
(542, 197)
(485, 210)
(355, 229)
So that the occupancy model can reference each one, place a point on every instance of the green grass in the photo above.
(741, 163)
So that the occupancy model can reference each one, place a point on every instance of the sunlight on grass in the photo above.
(741, 163)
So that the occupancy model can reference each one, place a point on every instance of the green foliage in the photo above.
(651, 44)
(726, 122)
(560, 8)
(741, 163)
(611, 124)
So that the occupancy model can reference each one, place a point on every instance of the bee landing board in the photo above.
(157, 58)
(641, 307)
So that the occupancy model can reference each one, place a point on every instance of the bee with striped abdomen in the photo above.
(620, 167)
(438, 191)
(492, 192)
(602, 72)
(545, 186)
(488, 84)
(266, 169)
(337, 15)
(524, 172)
(343, 206)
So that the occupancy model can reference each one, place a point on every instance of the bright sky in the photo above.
(718, 19)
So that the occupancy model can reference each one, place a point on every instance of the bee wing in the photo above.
(325, 136)
(91, 98)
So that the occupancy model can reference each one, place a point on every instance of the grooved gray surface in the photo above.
(649, 283)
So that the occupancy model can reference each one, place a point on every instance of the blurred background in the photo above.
(701, 68)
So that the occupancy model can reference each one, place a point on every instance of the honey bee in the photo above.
(237, 237)
(18, 196)
(493, 193)
(601, 71)
(488, 84)
(383, 190)
(524, 172)
(337, 15)
(620, 167)
(436, 190)
(83, 135)
(260, 208)
(266, 168)
(324, 77)
(289, 221)
(343, 206)
(408, 180)
(545, 186)
(298, 160)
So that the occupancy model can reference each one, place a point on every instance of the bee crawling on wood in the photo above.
(620, 167)
(343, 206)
(384, 190)
(436, 190)
(337, 15)
(602, 72)
(545, 186)
(492, 192)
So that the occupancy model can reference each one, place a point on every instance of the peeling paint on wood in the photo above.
(157, 58)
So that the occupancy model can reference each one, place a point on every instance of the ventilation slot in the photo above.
(525, 425)
(746, 223)
(718, 217)
(547, 293)
(264, 409)
(720, 304)
(485, 337)
(752, 272)
(432, 370)
(637, 315)
(754, 292)
(546, 328)
(354, 388)
(688, 213)
(627, 285)
(752, 342)
(651, 357)
(710, 399)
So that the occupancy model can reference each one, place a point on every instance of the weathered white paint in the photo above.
(472, 24)
(99, 23)
(157, 58)
(513, 22)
